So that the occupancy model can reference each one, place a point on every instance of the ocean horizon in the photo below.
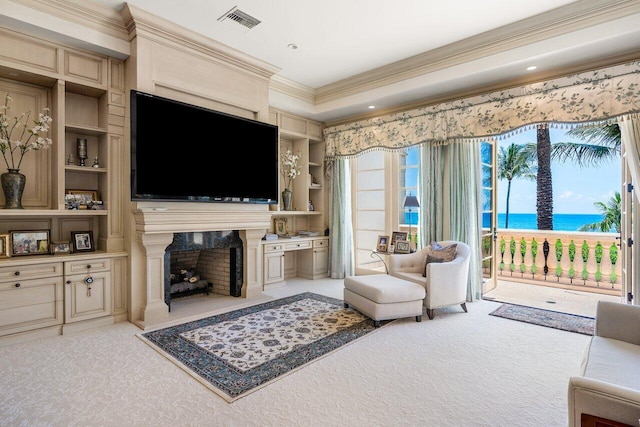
(561, 222)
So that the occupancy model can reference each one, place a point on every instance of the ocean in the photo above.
(561, 222)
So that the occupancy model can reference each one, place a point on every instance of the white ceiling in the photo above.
(356, 53)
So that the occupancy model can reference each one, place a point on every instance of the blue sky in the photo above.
(575, 189)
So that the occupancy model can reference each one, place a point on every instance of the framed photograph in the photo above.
(31, 242)
(402, 247)
(60, 248)
(383, 243)
(398, 235)
(280, 225)
(5, 250)
(82, 197)
(82, 241)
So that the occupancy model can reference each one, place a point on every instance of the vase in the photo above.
(13, 186)
(287, 198)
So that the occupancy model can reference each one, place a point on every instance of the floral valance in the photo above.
(580, 98)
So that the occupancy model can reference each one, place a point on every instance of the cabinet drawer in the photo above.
(34, 302)
(33, 271)
(321, 243)
(297, 245)
(273, 247)
(84, 266)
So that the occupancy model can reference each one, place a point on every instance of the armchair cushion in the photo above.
(437, 253)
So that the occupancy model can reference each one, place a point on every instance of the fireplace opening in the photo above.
(207, 262)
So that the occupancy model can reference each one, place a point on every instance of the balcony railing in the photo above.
(574, 259)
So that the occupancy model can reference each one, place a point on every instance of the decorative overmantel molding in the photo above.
(159, 220)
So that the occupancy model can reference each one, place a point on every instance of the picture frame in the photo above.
(5, 248)
(383, 243)
(280, 226)
(29, 242)
(60, 248)
(80, 199)
(399, 235)
(82, 241)
(402, 247)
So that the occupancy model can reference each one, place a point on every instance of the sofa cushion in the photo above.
(443, 254)
(613, 361)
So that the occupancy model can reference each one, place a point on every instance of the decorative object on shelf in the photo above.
(402, 247)
(30, 242)
(383, 242)
(95, 163)
(287, 199)
(71, 160)
(80, 199)
(28, 139)
(310, 206)
(280, 226)
(82, 151)
(409, 203)
(5, 250)
(82, 241)
(289, 171)
(60, 248)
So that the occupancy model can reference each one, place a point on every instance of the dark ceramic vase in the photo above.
(287, 197)
(13, 186)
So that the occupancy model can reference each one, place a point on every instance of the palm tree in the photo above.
(544, 188)
(602, 143)
(513, 163)
(612, 215)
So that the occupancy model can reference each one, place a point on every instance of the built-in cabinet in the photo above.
(84, 93)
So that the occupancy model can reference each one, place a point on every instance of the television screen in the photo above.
(182, 152)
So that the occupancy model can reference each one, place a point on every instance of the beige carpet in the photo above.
(455, 370)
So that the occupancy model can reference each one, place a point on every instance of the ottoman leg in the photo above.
(376, 323)
(346, 305)
(419, 318)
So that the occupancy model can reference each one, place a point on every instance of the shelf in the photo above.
(87, 130)
(51, 212)
(87, 169)
(313, 164)
(296, 213)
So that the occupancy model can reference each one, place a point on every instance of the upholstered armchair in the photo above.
(445, 282)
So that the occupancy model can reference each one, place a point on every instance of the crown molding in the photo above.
(556, 22)
(290, 88)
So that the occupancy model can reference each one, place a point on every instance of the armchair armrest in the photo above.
(618, 321)
(602, 399)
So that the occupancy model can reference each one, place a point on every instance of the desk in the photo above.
(311, 258)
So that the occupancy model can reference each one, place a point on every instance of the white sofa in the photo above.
(445, 283)
(609, 384)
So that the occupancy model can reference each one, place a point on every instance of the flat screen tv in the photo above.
(182, 152)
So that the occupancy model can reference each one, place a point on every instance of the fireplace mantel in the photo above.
(155, 227)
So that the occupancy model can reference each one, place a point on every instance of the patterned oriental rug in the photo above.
(238, 352)
(551, 319)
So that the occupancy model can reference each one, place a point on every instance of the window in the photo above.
(408, 169)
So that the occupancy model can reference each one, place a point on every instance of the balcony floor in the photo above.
(548, 298)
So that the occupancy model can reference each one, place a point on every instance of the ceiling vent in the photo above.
(239, 17)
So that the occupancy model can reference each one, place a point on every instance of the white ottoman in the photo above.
(383, 297)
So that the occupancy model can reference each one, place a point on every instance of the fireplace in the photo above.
(155, 228)
(214, 258)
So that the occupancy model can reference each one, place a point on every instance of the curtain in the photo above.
(465, 206)
(431, 185)
(341, 252)
(581, 98)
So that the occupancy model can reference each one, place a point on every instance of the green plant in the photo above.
(512, 251)
(572, 256)
(523, 251)
(613, 256)
(559, 249)
(598, 252)
(585, 258)
(534, 253)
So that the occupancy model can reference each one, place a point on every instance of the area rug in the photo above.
(551, 319)
(238, 352)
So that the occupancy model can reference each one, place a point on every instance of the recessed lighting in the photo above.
(531, 68)
(292, 46)
(371, 107)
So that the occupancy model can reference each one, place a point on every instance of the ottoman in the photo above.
(383, 297)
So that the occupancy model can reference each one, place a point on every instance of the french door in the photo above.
(488, 156)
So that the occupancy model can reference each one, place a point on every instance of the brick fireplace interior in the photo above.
(215, 257)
